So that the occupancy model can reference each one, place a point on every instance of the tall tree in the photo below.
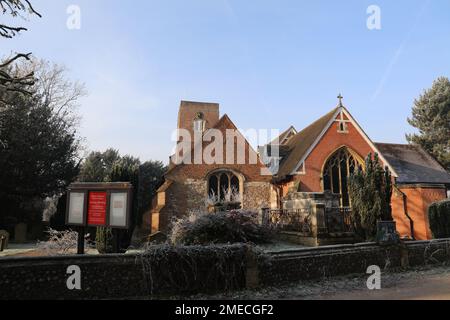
(124, 169)
(40, 143)
(97, 166)
(110, 166)
(431, 116)
(151, 176)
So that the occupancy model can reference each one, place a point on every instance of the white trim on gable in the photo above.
(371, 144)
(292, 132)
(333, 119)
(341, 111)
(301, 171)
(342, 123)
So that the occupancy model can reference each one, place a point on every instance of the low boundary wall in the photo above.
(202, 270)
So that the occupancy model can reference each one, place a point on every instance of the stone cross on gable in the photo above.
(340, 97)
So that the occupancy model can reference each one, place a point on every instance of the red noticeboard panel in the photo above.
(97, 209)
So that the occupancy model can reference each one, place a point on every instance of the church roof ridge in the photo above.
(302, 141)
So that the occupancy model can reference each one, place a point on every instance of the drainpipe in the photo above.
(279, 192)
(405, 208)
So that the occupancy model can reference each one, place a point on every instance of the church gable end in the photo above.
(312, 147)
(235, 171)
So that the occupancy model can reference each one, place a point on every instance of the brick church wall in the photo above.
(189, 110)
(257, 195)
(419, 199)
(330, 142)
(190, 180)
(185, 196)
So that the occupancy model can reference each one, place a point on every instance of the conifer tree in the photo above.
(370, 191)
(431, 116)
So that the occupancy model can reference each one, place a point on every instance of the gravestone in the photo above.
(387, 233)
(20, 233)
(5, 234)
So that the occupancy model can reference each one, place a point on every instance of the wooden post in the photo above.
(80, 240)
(116, 241)
(2, 243)
(252, 270)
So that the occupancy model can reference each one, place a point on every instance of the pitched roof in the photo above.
(300, 143)
(280, 139)
(413, 164)
(224, 123)
(281, 149)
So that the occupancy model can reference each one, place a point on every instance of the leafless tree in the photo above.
(54, 88)
(10, 80)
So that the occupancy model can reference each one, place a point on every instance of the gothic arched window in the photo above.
(224, 186)
(337, 170)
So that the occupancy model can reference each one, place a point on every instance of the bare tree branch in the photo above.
(30, 7)
(8, 82)
(10, 32)
(15, 82)
(17, 56)
(15, 8)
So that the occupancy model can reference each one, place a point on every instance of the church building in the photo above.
(306, 193)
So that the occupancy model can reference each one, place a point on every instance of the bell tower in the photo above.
(197, 116)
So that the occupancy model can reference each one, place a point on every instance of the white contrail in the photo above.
(398, 53)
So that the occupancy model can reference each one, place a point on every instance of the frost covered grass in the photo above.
(59, 243)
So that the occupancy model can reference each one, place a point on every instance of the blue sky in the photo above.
(269, 64)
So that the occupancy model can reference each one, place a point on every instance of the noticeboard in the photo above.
(77, 201)
(96, 214)
(99, 205)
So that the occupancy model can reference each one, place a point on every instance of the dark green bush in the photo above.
(439, 217)
(219, 228)
(370, 191)
(104, 240)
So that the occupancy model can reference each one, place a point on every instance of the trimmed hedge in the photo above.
(439, 217)
(194, 269)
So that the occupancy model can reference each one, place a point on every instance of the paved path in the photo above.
(18, 249)
(425, 283)
(32, 250)
(429, 287)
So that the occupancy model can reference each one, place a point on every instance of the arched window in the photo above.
(224, 186)
(337, 171)
(213, 186)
